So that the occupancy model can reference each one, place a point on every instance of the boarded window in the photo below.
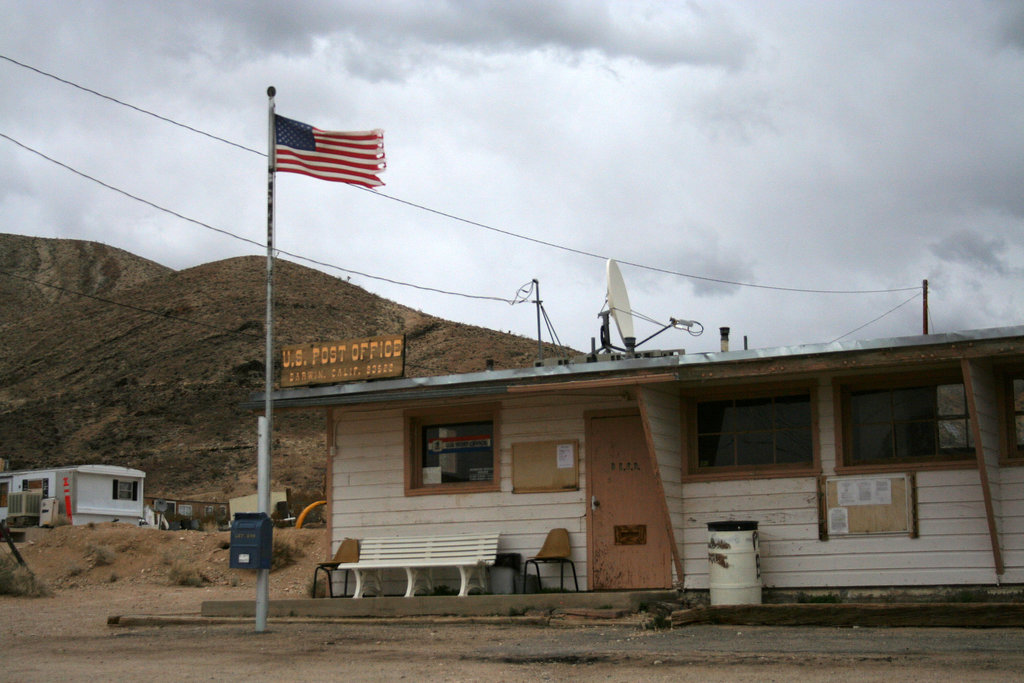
(545, 466)
(882, 504)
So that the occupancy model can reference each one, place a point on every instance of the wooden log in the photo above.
(962, 615)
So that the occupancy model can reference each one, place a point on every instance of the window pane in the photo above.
(1020, 431)
(1018, 395)
(915, 439)
(754, 448)
(715, 450)
(872, 442)
(754, 414)
(913, 404)
(458, 453)
(793, 445)
(711, 416)
(792, 411)
(952, 434)
(950, 399)
(870, 406)
(754, 432)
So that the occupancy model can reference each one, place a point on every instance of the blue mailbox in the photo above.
(251, 540)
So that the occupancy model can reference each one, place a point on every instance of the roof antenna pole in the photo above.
(924, 289)
(540, 346)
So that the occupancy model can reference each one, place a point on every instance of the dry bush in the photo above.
(17, 580)
(285, 553)
(101, 555)
(183, 573)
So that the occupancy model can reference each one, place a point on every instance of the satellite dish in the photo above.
(160, 505)
(618, 305)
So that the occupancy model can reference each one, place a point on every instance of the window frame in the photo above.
(694, 472)
(128, 486)
(417, 420)
(1012, 453)
(845, 387)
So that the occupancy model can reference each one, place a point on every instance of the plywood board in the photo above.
(545, 466)
(875, 504)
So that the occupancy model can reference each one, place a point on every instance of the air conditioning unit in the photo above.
(23, 507)
(49, 512)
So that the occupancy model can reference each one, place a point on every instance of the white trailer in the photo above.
(79, 494)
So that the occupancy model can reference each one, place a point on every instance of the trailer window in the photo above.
(126, 490)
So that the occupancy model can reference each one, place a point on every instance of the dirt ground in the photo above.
(118, 570)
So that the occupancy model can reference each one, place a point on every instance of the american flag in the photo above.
(350, 157)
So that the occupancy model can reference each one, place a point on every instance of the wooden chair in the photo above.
(555, 549)
(348, 551)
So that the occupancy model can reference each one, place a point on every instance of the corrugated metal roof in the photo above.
(495, 382)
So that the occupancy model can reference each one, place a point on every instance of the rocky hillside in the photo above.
(147, 370)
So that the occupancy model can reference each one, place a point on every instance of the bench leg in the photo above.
(359, 584)
(368, 579)
(467, 575)
(418, 578)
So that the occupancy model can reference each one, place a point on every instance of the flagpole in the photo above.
(267, 423)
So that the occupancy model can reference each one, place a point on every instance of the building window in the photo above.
(126, 490)
(452, 450)
(908, 424)
(1016, 404)
(766, 432)
(4, 489)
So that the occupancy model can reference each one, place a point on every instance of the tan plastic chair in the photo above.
(348, 551)
(555, 549)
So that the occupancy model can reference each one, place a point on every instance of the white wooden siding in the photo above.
(953, 547)
(664, 412)
(368, 482)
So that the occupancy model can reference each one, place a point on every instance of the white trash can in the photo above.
(734, 561)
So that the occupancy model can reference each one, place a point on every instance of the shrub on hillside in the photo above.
(16, 580)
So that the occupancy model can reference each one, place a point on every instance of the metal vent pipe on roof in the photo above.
(725, 338)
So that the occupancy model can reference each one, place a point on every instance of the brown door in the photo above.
(629, 545)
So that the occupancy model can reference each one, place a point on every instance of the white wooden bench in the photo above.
(471, 554)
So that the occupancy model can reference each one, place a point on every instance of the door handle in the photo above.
(593, 503)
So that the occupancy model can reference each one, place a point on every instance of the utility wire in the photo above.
(655, 269)
(150, 311)
(246, 239)
(131, 106)
(870, 322)
(477, 224)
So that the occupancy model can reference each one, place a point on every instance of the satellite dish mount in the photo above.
(620, 311)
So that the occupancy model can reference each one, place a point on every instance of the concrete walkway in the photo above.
(443, 605)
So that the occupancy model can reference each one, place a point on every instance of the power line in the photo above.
(139, 309)
(870, 322)
(131, 106)
(246, 239)
(477, 224)
(632, 263)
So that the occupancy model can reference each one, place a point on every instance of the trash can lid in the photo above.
(729, 525)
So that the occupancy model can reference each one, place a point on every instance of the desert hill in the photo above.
(155, 383)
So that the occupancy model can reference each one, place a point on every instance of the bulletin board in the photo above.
(874, 504)
(545, 466)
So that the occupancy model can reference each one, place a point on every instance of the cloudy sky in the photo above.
(747, 160)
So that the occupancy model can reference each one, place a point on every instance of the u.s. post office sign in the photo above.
(343, 361)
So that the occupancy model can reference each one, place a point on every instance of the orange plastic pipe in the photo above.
(309, 508)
